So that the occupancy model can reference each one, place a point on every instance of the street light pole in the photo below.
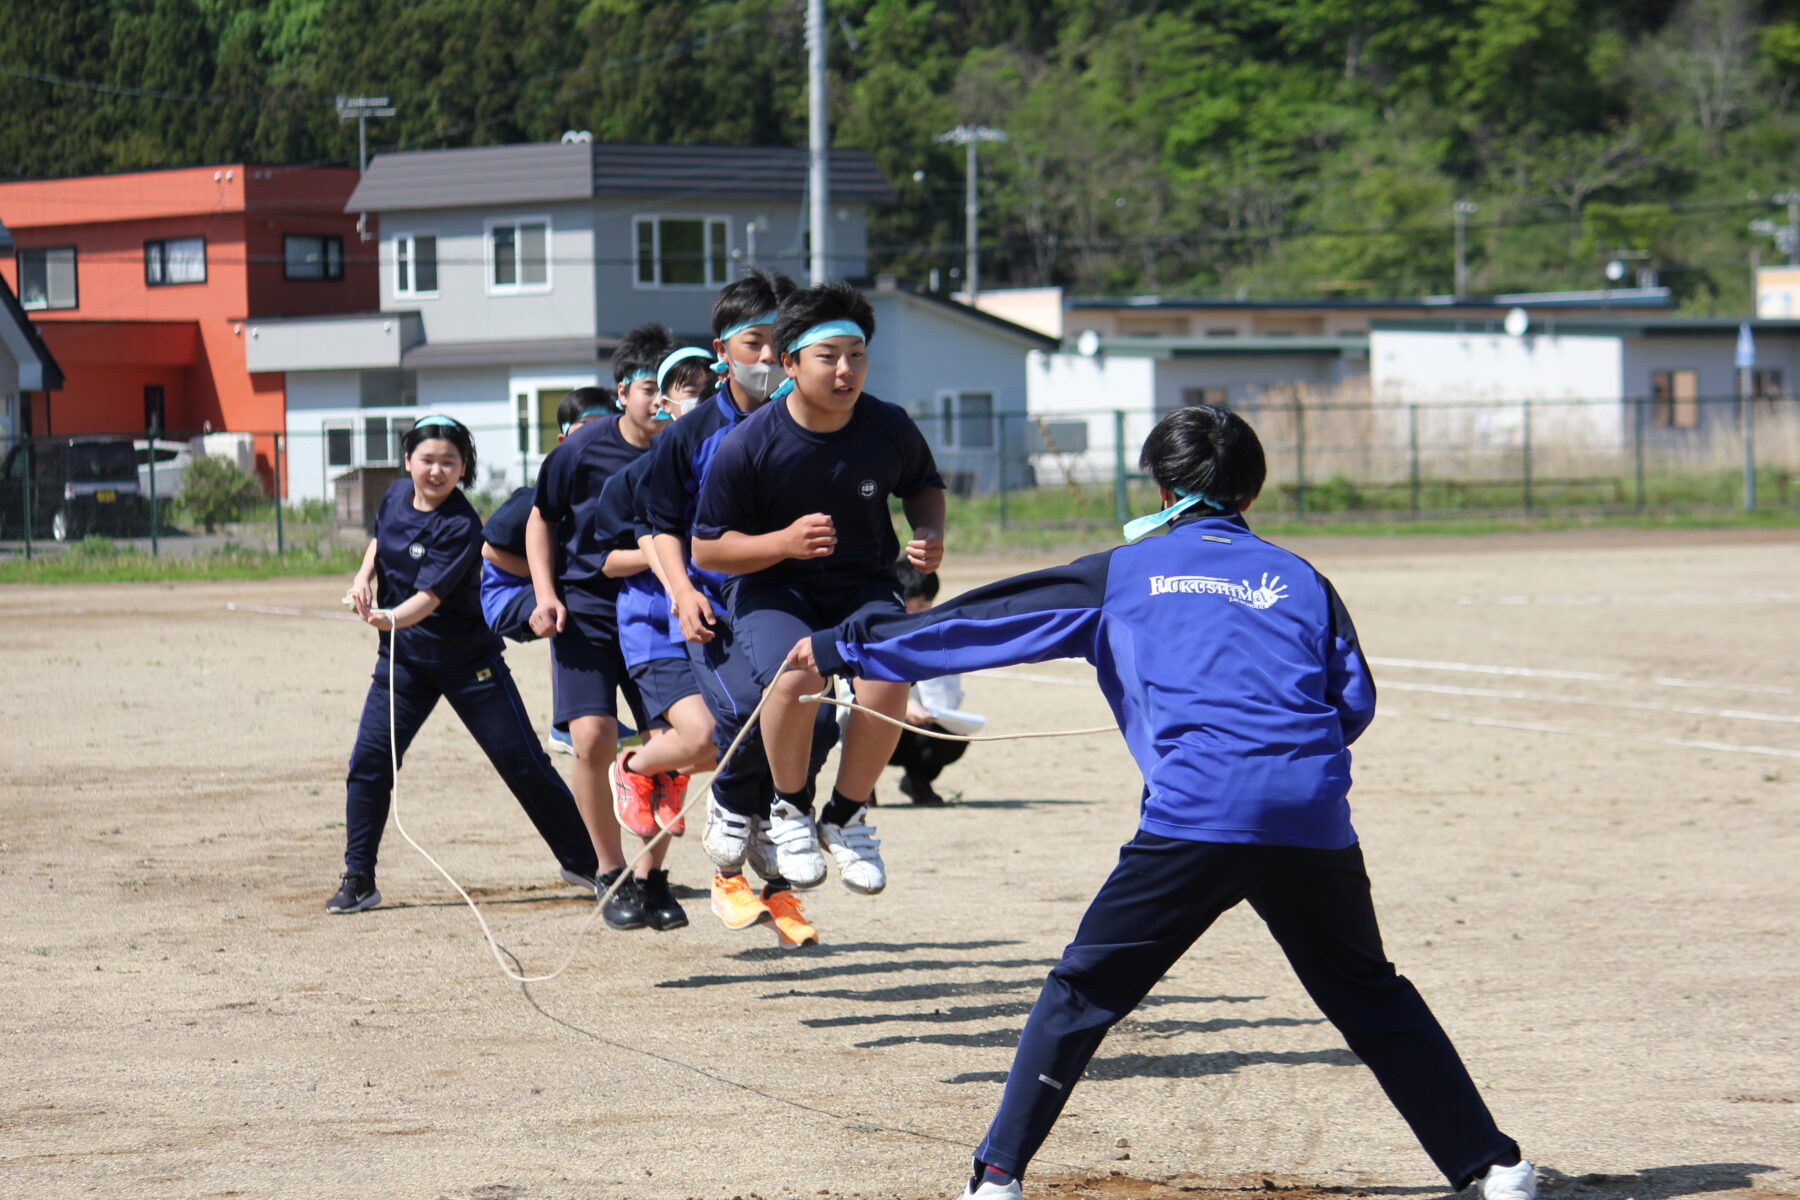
(360, 109)
(818, 175)
(970, 137)
(1462, 210)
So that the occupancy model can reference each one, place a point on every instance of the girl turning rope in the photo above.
(1234, 673)
(426, 555)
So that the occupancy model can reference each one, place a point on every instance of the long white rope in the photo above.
(662, 835)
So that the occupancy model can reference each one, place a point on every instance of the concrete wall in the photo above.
(464, 308)
(1067, 387)
(346, 341)
(1246, 377)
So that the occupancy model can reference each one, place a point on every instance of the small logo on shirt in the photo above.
(417, 549)
(483, 675)
(867, 489)
(1264, 595)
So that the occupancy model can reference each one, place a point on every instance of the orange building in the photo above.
(141, 283)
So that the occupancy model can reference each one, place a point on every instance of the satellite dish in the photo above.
(1088, 344)
(1615, 270)
(1517, 322)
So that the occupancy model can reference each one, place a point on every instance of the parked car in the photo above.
(78, 486)
(172, 459)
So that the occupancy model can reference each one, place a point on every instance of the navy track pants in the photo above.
(483, 694)
(1160, 898)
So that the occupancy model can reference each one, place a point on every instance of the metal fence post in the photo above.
(1121, 502)
(155, 512)
(1638, 451)
(1412, 438)
(1299, 457)
(30, 487)
(280, 459)
(1000, 471)
(1749, 453)
(1527, 439)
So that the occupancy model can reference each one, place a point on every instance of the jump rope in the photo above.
(500, 954)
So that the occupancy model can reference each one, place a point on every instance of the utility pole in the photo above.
(818, 161)
(360, 109)
(970, 137)
(1462, 210)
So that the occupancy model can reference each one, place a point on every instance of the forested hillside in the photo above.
(1256, 147)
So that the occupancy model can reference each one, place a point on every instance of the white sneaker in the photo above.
(727, 835)
(858, 853)
(796, 841)
(1509, 1183)
(760, 857)
(989, 1190)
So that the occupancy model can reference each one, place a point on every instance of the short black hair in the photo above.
(641, 349)
(913, 585)
(450, 430)
(820, 303)
(1206, 450)
(580, 400)
(758, 292)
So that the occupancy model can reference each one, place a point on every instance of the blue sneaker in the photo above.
(560, 742)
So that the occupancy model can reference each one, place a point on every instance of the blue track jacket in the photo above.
(1230, 664)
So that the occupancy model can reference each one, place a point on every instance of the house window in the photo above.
(340, 447)
(538, 428)
(47, 277)
(1214, 396)
(975, 420)
(1675, 399)
(175, 260)
(519, 255)
(683, 251)
(386, 388)
(1767, 384)
(383, 439)
(946, 419)
(312, 256)
(415, 264)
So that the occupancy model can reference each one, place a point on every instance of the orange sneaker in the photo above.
(671, 794)
(736, 903)
(791, 927)
(634, 797)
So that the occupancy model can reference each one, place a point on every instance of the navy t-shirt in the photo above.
(437, 551)
(770, 471)
(505, 529)
(568, 493)
(670, 491)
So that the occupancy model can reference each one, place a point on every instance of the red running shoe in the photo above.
(634, 797)
(671, 794)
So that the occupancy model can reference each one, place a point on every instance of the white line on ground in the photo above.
(1545, 727)
(1747, 596)
(1427, 664)
(276, 610)
(1446, 689)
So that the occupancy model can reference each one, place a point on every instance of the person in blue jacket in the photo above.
(1243, 740)
(421, 569)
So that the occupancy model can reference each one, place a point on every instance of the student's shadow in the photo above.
(957, 1014)
(1010, 1036)
(966, 803)
(839, 949)
(1654, 1183)
(844, 970)
(1185, 1066)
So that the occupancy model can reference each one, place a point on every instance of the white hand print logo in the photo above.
(1266, 594)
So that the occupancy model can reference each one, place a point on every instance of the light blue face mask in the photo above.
(817, 333)
(1143, 526)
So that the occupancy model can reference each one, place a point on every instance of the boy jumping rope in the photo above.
(1243, 738)
(795, 504)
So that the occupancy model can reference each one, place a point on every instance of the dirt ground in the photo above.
(1579, 806)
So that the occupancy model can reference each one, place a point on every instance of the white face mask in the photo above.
(757, 379)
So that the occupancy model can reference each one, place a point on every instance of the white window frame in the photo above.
(411, 237)
(48, 303)
(707, 223)
(519, 289)
(326, 429)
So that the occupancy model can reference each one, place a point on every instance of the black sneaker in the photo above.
(626, 908)
(919, 792)
(356, 893)
(660, 906)
(581, 879)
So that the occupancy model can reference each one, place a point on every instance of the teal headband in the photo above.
(767, 318)
(588, 414)
(1143, 526)
(681, 355)
(817, 333)
(643, 373)
(426, 422)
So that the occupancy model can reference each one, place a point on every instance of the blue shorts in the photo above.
(664, 682)
(768, 620)
(507, 603)
(588, 673)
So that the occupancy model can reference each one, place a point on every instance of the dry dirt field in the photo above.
(1579, 805)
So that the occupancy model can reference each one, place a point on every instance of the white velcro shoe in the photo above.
(796, 840)
(858, 853)
(1518, 1182)
(760, 854)
(727, 835)
(989, 1190)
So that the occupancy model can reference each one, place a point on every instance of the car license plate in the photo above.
(106, 495)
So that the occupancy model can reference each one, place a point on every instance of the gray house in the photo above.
(26, 367)
(508, 274)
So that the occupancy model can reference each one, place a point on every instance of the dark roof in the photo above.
(1625, 298)
(9, 304)
(542, 172)
(515, 353)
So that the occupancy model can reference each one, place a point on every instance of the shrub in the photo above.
(214, 490)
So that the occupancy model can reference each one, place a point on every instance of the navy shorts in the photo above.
(664, 682)
(588, 673)
(768, 620)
